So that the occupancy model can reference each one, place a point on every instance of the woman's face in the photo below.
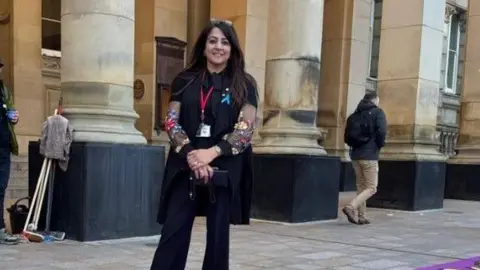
(218, 48)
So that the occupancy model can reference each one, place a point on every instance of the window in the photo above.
(452, 32)
(375, 31)
(51, 25)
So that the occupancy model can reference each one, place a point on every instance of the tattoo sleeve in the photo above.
(178, 138)
(240, 139)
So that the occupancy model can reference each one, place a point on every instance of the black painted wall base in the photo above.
(463, 182)
(347, 177)
(295, 188)
(410, 185)
(109, 191)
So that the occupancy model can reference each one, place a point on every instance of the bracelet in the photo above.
(218, 149)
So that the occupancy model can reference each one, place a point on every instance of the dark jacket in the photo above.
(7, 135)
(371, 149)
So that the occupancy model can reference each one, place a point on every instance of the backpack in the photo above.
(359, 129)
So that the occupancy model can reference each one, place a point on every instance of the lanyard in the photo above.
(204, 100)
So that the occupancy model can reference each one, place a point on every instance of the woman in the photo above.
(210, 123)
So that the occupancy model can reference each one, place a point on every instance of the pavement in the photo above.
(395, 240)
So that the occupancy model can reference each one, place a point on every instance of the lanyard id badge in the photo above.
(204, 130)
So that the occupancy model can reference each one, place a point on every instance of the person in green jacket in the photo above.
(8, 146)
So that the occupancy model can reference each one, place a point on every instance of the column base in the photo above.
(290, 141)
(409, 185)
(347, 177)
(462, 182)
(103, 125)
(295, 188)
(109, 191)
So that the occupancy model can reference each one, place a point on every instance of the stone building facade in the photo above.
(413, 52)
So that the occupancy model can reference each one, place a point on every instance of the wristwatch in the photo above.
(218, 149)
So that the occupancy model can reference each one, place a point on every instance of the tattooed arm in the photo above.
(239, 140)
(179, 140)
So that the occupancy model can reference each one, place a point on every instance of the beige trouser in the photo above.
(366, 172)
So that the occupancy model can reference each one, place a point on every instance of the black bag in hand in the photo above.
(219, 179)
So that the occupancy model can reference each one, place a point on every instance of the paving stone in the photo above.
(380, 264)
(402, 240)
(321, 255)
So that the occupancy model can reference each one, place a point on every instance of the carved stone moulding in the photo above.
(51, 62)
(138, 89)
(453, 10)
(5, 18)
(449, 11)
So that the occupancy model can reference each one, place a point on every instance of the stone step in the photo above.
(21, 160)
(16, 192)
(18, 182)
(18, 174)
(19, 164)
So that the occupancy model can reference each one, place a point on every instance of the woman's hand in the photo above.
(201, 157)
(193, 163)
(14, 117)
(204, 173)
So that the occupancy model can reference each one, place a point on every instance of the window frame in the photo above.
(374, 16)
(449, 28)
(59, 22)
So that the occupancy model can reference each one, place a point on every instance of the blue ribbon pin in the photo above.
(226, 99)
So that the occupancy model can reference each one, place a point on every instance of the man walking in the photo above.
(365, 133)
(8, 145)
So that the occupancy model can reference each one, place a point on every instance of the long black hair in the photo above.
(236, 63)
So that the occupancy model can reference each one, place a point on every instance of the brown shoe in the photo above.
(363, 221)
(350, 213)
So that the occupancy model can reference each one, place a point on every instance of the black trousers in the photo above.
(172, 250)
(4, 176)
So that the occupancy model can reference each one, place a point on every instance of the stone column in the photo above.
(345, 51)
(249, 18)
(345, 59)
(469, 136)
(145, 65)
(20, 48)
(170, 20)
(97, 70)
(292, 78)
(198, 15)
(412, 168)
(409, 77)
